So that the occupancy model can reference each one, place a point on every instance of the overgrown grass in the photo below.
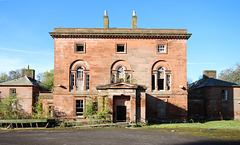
(216, 129)
(235, 125)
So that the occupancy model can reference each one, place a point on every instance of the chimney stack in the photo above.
(209, 74)
(134, 20)
(105, 20)
(28, 72)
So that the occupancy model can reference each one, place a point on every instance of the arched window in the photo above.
(121, 72)
(79, 77)
(161, 79)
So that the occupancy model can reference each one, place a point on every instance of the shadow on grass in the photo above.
(212, 143)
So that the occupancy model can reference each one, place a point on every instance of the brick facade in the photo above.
(140, 59)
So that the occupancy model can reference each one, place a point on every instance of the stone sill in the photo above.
(84, 92)
(160, 93)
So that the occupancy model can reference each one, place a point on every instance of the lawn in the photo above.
(215, 129)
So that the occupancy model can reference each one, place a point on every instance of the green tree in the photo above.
(47, 79)
(231, 74)
(90, 107)
(10, 108)
(3, 77)
(13, 74)
(38, 111)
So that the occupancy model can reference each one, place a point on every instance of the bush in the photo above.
(10, 108)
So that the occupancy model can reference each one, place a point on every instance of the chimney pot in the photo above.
(134, 13)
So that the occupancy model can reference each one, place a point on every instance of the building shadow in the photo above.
(160, 110)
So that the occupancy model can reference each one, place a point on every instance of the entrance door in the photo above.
(121, 113)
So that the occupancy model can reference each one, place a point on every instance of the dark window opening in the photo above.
(87, 81)
(80, 48)
(79, 107)
(121, 48)
(153, 82)
(12, 91)
(160, 84)
(72, 81)
(224, 95)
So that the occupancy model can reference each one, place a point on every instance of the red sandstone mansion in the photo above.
(142, 72)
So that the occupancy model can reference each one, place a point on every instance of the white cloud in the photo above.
(24, 51)
(200, 63)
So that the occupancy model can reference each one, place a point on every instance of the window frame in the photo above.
(168, 80)
(87, 81)
(164, 78)
(76, 112)
(80, 44)
(224, 96)
(125, 48)
(165, 49)
(155, 86)
(154, 81)
(12, 91)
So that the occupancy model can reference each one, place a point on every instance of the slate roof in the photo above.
(210, 82)
(23, 81)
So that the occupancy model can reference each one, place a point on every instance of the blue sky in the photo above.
(214, 24)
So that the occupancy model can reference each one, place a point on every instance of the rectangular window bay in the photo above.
(80, 48)
(79, 107)
(121, 48)
(161, 48)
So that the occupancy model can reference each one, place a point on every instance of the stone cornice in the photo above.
(121, 35)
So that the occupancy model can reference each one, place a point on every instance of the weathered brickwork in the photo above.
(140, 57)
(214, 99)
(24, 95)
